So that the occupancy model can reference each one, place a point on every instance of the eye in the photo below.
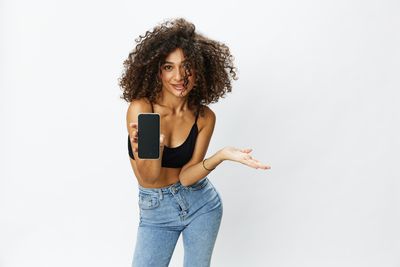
(167, 67)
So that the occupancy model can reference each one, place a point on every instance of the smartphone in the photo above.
(149, 135)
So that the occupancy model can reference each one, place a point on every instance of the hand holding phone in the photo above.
(150, 124)
(149, 135)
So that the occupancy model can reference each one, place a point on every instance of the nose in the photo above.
(178, 75)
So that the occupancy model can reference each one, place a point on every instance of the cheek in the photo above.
(165, 76)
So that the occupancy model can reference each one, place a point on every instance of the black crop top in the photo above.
(176, 157)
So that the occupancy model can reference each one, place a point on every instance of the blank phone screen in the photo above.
(149, 135)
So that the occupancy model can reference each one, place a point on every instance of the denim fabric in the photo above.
(165, 213)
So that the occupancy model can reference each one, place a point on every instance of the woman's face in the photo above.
(172, 74)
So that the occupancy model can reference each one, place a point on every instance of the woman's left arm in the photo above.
(193, 170)
(197, 168)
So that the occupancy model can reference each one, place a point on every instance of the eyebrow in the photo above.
(169, 62)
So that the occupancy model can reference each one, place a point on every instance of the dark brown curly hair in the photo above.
(211, 60)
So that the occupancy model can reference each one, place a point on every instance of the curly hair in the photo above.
(211, 60)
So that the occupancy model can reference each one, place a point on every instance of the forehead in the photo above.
(176, 56)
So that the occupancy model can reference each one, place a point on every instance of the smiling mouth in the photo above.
(178, 87)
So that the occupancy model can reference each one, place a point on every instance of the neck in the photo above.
(175, 104)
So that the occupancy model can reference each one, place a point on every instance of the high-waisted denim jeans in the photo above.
(165, 213)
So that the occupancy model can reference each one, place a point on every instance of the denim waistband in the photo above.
(167, 189)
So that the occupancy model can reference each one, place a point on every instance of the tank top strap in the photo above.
(152, 109)
(198, 112)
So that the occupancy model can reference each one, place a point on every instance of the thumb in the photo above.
(162, 138)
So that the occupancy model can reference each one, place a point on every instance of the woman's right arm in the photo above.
(149, 170)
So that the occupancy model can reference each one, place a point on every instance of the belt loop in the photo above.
(160, 193)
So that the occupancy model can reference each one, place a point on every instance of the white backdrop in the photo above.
(317, 99)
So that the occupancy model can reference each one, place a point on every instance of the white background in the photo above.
(317, 99)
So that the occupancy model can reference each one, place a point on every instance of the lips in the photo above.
(178, 87)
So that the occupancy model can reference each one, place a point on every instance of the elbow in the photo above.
(183, 181)
(184, 184)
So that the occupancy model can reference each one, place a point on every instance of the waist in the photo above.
(169, 188)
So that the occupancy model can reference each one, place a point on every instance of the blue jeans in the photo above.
(165, 213)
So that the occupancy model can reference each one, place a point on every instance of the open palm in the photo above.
(243, 156)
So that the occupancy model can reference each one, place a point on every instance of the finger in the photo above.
(253, 165)
(133, 136)
(133, 133)
(250, 163)
(260, 165)
(246, 150)
(263, 166)
(133, 125)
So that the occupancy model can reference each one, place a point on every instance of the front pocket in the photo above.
(148, 202)
(199, 184)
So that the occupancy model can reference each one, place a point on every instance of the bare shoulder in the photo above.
(139, 105)
(209, 114)
(208, 118)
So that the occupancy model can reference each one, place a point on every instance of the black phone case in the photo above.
(149, 135)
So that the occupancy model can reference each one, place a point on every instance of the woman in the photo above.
(177, 72)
